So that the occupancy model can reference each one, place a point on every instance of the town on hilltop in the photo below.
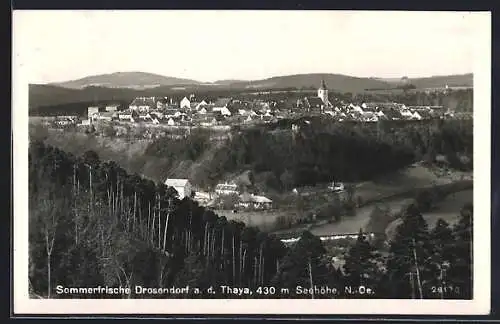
(192, 111)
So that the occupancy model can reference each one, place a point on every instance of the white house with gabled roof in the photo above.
(182, 186)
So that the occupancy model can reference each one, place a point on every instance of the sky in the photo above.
(207, 46)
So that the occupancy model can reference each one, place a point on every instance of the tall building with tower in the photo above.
(323, 93)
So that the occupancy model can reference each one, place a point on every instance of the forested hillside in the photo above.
(278, 158)
(92, 224)
(321, 151)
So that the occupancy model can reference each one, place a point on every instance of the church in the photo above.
(316, 104)
(323, 94)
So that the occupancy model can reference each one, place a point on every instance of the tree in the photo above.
(380, 218)
(303, 266)
(287, 180)
(461, 271)
(443, 256)
(409, 253)
(361, 266)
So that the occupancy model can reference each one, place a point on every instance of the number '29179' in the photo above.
(449, 289)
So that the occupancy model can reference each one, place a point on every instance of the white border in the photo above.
(480, 304)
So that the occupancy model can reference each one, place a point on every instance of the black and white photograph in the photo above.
(276, 160)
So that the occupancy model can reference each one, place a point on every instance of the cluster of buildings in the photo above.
(244, 200)
(191, 111)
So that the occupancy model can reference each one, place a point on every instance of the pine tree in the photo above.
(303, 266)
(460, 275)
(444, 243)
(409, 253)
(361, 266)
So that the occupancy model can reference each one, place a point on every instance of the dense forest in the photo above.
(320, 152)
(93, 224)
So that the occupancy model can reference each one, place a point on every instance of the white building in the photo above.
(224, 111)
(112, 108)
(125, 117)
(254, 201)
(182, 186)
(185, 103)
(202, 104)
(323, 93)
(226, 189)
(170, 122)
(143, 104)
(91, 111)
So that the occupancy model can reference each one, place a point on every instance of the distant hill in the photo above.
(441, 81)
(132, 80)
(227, 82)
(49, 95)
(126, 86)
(336, 82)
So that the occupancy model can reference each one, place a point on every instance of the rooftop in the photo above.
(176, 182)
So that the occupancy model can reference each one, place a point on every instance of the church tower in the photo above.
(323, 92)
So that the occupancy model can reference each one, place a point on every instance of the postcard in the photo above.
(251, 162)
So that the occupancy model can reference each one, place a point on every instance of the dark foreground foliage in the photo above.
(91, 224)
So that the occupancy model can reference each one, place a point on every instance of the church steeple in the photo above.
(323, 92)
(323, 85)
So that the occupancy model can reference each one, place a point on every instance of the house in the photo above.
(224, 111)
(314, 103)
(248, 119)
(171, 122)
(392, 114)
(105, 118)
(169, 113)
(254, 201)
(112, 107)
(406, 113)
(185, 103)
(145, 117)
(209, 122)
(125, 116)
(182, 186)
(425, 114)
(356, 108)
(202, 198)
(92, 111)
(156, 114)
(162, 103)
(201, 104)
(416, 116)
(226, 189)
(85, 122)
(143, 104)
(369, 116)
(222, 103)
